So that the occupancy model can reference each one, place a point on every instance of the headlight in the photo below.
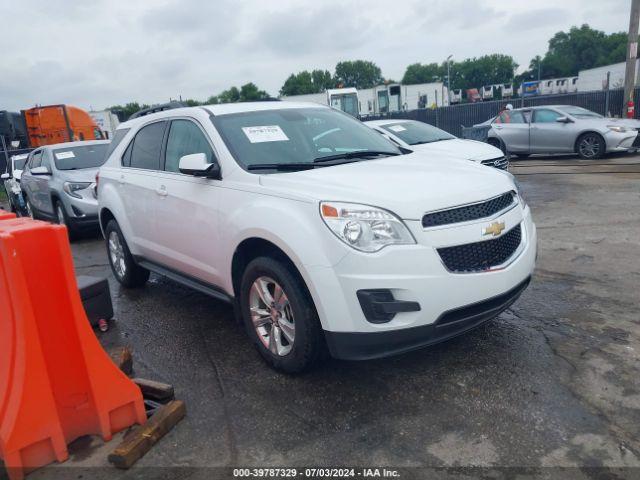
(72, 187)
(365, 228)
(617, 128)
(519, 192)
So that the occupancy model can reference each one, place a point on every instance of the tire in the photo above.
(63, 219)
(298, 343)
(590, 146)
(128, 273)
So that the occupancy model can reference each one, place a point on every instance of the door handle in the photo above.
(162, 191)
(121, 180)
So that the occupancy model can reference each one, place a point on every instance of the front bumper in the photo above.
(366, 346)
(415, 273)
(81, 212)
(620, 142)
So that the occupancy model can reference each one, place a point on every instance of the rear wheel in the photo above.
(590, 146)
(123, 266)
(279, 316)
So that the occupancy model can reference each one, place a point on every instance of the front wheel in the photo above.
(279, 316)
(62, 219)
(590, 146)
(123, 266)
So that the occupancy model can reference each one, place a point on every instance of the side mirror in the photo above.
(40, 171)
(564, 120)
(196, 164)
(5, 176)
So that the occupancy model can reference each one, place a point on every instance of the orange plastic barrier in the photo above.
(56, 381)
(4, 215)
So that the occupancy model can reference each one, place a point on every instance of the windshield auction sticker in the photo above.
(266, 133)
(397, 128)
(63, 155)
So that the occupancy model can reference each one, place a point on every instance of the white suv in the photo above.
(321, 232)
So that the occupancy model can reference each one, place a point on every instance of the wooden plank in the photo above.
(155, 390)
(123, 358)
(140, 440)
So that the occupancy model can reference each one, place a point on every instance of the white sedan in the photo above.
(428, 139)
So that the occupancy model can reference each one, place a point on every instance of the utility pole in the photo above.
(632, 53)
(449, 75)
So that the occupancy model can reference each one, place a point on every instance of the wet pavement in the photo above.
(552, 382)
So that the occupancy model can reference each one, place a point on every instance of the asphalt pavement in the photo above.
(552, 382)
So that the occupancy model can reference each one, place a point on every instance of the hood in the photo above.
(467, 149)
(83, 175)
(408, 185)
(627, 122)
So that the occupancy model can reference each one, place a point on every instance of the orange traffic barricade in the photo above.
(56, 381)
(6, 215)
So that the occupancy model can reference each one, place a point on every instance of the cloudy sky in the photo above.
(103, 52)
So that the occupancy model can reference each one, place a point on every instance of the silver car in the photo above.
(561, 129)
(58, 183)
(11, 180)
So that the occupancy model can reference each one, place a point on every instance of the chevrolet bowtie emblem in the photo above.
(494, 229)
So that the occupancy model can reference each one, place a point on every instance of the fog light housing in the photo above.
(379, 305)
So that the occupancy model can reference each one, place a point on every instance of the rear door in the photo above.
(28, 182)
(549, 135)
(512, 127)
(187, 220)
(139, 185)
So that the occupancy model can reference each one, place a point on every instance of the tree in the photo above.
(304, 82)
(250, 92)
(229, 96)
(578, 49)
(358, 74)
(419, 73)
(124, 112)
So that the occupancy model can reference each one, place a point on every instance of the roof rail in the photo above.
(157, 108)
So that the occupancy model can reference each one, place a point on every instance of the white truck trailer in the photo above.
(106, 120)
(345, 99)
(596, 78)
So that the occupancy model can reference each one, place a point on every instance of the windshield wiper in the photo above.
(282, 166)
(355, 154)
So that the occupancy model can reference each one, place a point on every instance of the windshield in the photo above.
(579, 112)
(297, 136)
(415, 133)
(76, 158)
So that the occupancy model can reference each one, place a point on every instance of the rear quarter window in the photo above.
(117, 140)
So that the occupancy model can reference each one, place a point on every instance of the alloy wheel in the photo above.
(272, 316)
(589, 146)
(60, 215)
(116, 254)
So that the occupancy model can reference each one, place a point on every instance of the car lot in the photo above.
(552, 382)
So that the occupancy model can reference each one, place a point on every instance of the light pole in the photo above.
(632, 53)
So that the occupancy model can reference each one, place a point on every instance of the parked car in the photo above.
(561, 129)
(11, 180)
(59, 183)
(425, 138)
(321, 232)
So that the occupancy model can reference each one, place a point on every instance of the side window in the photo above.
(36, 160)
(545, 116)
(185, 138)
(46, 161)
(146, 147)
(126, 156)
(509, 116)
(117, 139)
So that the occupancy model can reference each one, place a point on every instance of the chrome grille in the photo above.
(501, 162)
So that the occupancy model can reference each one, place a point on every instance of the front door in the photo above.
(549, 135)
(187, 224)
